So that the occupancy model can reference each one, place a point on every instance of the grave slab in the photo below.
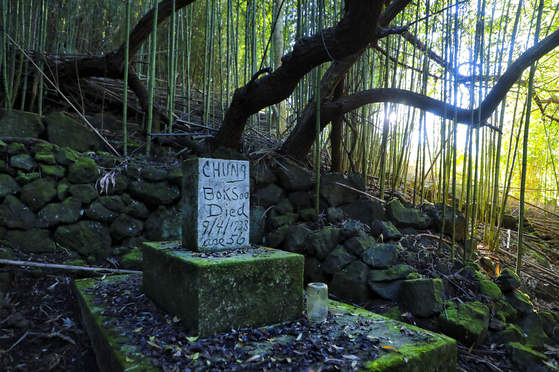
(218, 291)
(371, 342)
(215, 204)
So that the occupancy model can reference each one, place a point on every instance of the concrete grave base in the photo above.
(218, 292)
(398, 347)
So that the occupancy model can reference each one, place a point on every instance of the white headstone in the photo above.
(216, 204)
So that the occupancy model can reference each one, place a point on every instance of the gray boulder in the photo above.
(88, 238)
(64, 131)
(298, 240)
(381, 256)
(365, 211)
(405, 217)
(34, 240)
(8, 186)
(352, 228)
(164, 224)
(261, 173)
(125, 226)
(257, 224)
(23, 161)
(337, 260)
(38, 193)
(68, 211)
(386, 229)
(269, 195)
(324, 242)
(314, 271)
(387, 290)
(301, 200)
(422, 297)
(21, 124)
(295, 178)
(334, 193)
(350, 283)
(16, 215)
(98, 212)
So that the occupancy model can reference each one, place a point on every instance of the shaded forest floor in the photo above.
(41, 330)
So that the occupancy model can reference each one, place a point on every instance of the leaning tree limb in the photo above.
(356, 29)
(330, 80)
(298, 146)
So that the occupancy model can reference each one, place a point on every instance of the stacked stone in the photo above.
(56, 197)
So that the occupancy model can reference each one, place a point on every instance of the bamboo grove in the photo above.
(450, 50)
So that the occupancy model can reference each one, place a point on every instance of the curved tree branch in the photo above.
(355, 31)
(299, 146)
(331, 78)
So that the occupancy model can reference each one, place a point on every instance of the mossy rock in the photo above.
(531, 326)
(45, 158)
(68, 211)
(88, 238)
(505, 312)
(164, 224)
(125, 226)
(39, 193)
(512, 333)
(508, 280)
(66, 156)
(76, 262)
(276, 237)
(548, 322)
(34, 241)
(467, 323)
(25, 178)
(21, 124)
(54, 171)
(64, 131)
(8, 186)
(14, 214)
(133, 260)
(23, 161)
(44, 148)
(85, 193)
(393, 313)
(83, 171)
(154, 194)
(393, 273)
(16, 148)
(490, 289)
(520, 301)
(422, 297)
(521, 354)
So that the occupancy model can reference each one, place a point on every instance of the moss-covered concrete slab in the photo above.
(370, 342)
(220, 292)
(108, 341)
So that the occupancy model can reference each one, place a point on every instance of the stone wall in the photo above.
(55, 198)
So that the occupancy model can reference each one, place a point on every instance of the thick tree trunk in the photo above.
(336, 134)
(356, 30)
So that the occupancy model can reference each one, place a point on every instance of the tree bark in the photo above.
(332, 77)
(336, 134)
(297, 146)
